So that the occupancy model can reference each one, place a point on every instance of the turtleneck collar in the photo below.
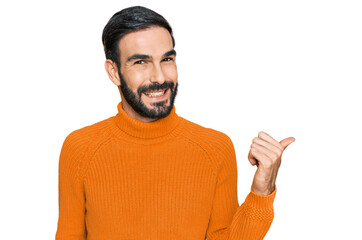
(139, 129)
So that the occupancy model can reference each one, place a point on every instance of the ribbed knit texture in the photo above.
(123, 179)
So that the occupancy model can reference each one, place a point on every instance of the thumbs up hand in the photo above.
(265, 152)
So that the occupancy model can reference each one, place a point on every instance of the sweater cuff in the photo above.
(261, 201)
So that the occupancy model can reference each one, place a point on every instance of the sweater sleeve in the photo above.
(71, 222)
(228, 220)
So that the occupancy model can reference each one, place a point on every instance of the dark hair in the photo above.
(128, 20)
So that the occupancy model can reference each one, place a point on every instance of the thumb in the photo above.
(285, 142)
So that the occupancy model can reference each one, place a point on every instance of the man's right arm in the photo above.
(71, 222)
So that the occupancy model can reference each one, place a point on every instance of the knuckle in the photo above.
(275, 156)
(255, 139)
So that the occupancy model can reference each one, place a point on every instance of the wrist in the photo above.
(264, 192)
(264, 203)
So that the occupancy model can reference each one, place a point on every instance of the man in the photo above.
(147, 173)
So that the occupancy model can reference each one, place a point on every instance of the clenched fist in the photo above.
(266, 153)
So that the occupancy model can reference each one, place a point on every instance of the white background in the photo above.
(289, 68)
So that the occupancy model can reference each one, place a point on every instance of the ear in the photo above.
(112, 71)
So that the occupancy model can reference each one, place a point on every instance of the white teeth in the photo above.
(155, 94)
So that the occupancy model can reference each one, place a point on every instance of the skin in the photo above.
(158, 66)
(266, 153)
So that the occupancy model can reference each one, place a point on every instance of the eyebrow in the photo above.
(170, 53)
(144, 56)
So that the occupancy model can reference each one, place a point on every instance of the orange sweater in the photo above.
(122, 179)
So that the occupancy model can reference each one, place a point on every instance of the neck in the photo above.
(145, 130)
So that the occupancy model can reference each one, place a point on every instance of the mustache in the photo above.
(155, 86)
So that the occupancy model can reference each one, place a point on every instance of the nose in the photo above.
(157, 74)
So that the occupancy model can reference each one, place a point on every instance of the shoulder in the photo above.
(80, 144)
(81, 137)
(204, 135)
(216, 144)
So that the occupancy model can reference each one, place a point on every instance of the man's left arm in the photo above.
(253, 218)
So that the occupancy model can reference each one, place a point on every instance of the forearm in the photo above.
(253, 218)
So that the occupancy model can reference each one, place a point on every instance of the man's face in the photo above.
(148, 72)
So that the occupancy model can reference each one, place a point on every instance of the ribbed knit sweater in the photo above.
(123, 179)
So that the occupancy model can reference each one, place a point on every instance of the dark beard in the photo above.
(160, 110)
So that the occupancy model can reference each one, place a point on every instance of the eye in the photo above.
(139, 62)
(167, 59)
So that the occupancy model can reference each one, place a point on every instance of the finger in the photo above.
(263, 159)
(269, 139)
(252, 160)
(285, 142)
(272, 155)
(268, 145)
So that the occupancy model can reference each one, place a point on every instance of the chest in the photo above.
(165, 189)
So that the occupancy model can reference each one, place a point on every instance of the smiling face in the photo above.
(148, 73)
